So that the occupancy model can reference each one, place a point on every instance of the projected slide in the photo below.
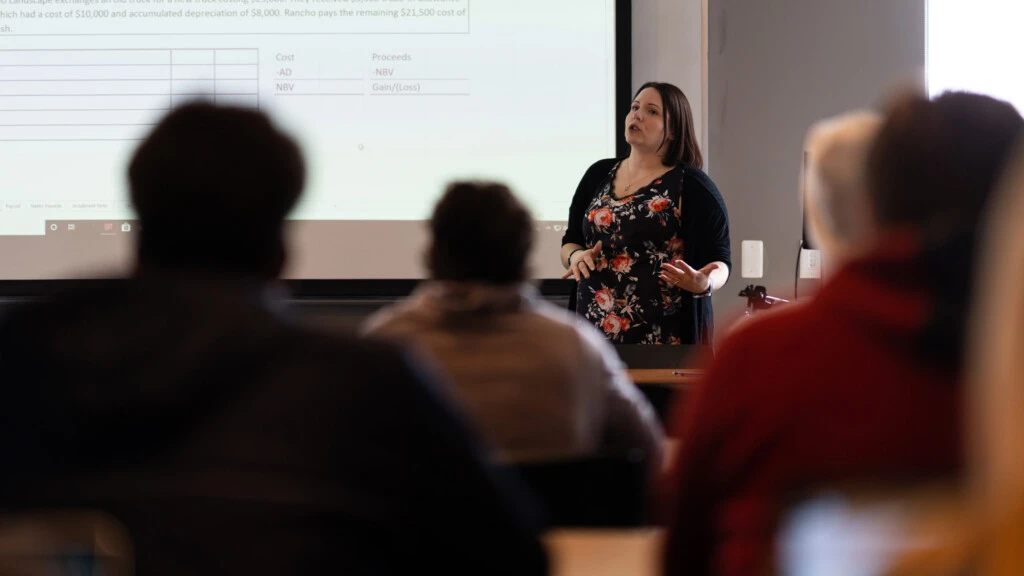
(976, 46)
(390, 99)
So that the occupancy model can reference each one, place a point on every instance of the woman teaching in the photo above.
(648, 235)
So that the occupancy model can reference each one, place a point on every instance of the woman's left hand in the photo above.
(682, 275)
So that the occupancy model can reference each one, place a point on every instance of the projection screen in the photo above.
(390, 100)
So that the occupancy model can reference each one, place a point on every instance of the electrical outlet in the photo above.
(752, 264)
(810, 264)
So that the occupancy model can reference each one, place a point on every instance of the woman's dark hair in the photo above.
(935, 162)
(680, 134)
(481, 233)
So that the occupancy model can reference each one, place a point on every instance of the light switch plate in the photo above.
(752, 264)
(810, 264)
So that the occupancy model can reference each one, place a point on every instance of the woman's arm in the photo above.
(713, 255)
(682, 275)
(712, 230)
(574, 239)
(568, 249)
(718, 273)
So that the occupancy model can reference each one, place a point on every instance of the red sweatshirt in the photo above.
(832, 390)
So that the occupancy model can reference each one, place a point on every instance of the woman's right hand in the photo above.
(581, 262)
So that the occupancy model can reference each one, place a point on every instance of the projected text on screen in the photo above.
(390, 99)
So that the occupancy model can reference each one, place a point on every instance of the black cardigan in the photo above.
(705, 229)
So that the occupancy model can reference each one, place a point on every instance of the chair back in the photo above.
(64, 543)
(605, 491)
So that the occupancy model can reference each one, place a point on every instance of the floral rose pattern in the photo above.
(658, 203)
(622, 263)
(613, 324)
(604, 299)
(602, 217)
(624, 297)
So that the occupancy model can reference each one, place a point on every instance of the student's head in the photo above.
(481, 233)
(835, 185)
(932, 171)
(660, 121)
(212, 186)
(935, 162)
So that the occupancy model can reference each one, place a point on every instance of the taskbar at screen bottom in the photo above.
(317, 249)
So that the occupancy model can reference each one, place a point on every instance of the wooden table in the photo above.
(582, 552)
(662, 387)
(681, 377)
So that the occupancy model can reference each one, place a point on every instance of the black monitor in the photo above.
(642, 356)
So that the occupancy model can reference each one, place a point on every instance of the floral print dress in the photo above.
(624, 297)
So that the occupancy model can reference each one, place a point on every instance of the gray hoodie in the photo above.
(537, 382)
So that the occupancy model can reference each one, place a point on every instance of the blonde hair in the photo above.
(996, 400)
(835, 182)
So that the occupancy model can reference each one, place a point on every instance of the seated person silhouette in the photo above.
(863, 383)
(539, 384)
(226, 439)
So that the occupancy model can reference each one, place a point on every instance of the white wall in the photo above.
(667, 40)
(774, 69)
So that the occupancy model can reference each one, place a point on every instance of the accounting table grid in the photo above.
(115, 94)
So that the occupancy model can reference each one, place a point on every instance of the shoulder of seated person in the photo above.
(572, 327)
(559, 318)
(772, 328)
(562, 324)
(341, 347)
(402, 317)
(69, 306)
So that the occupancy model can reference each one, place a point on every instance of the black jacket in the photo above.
(705, 234)
(229, 441)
